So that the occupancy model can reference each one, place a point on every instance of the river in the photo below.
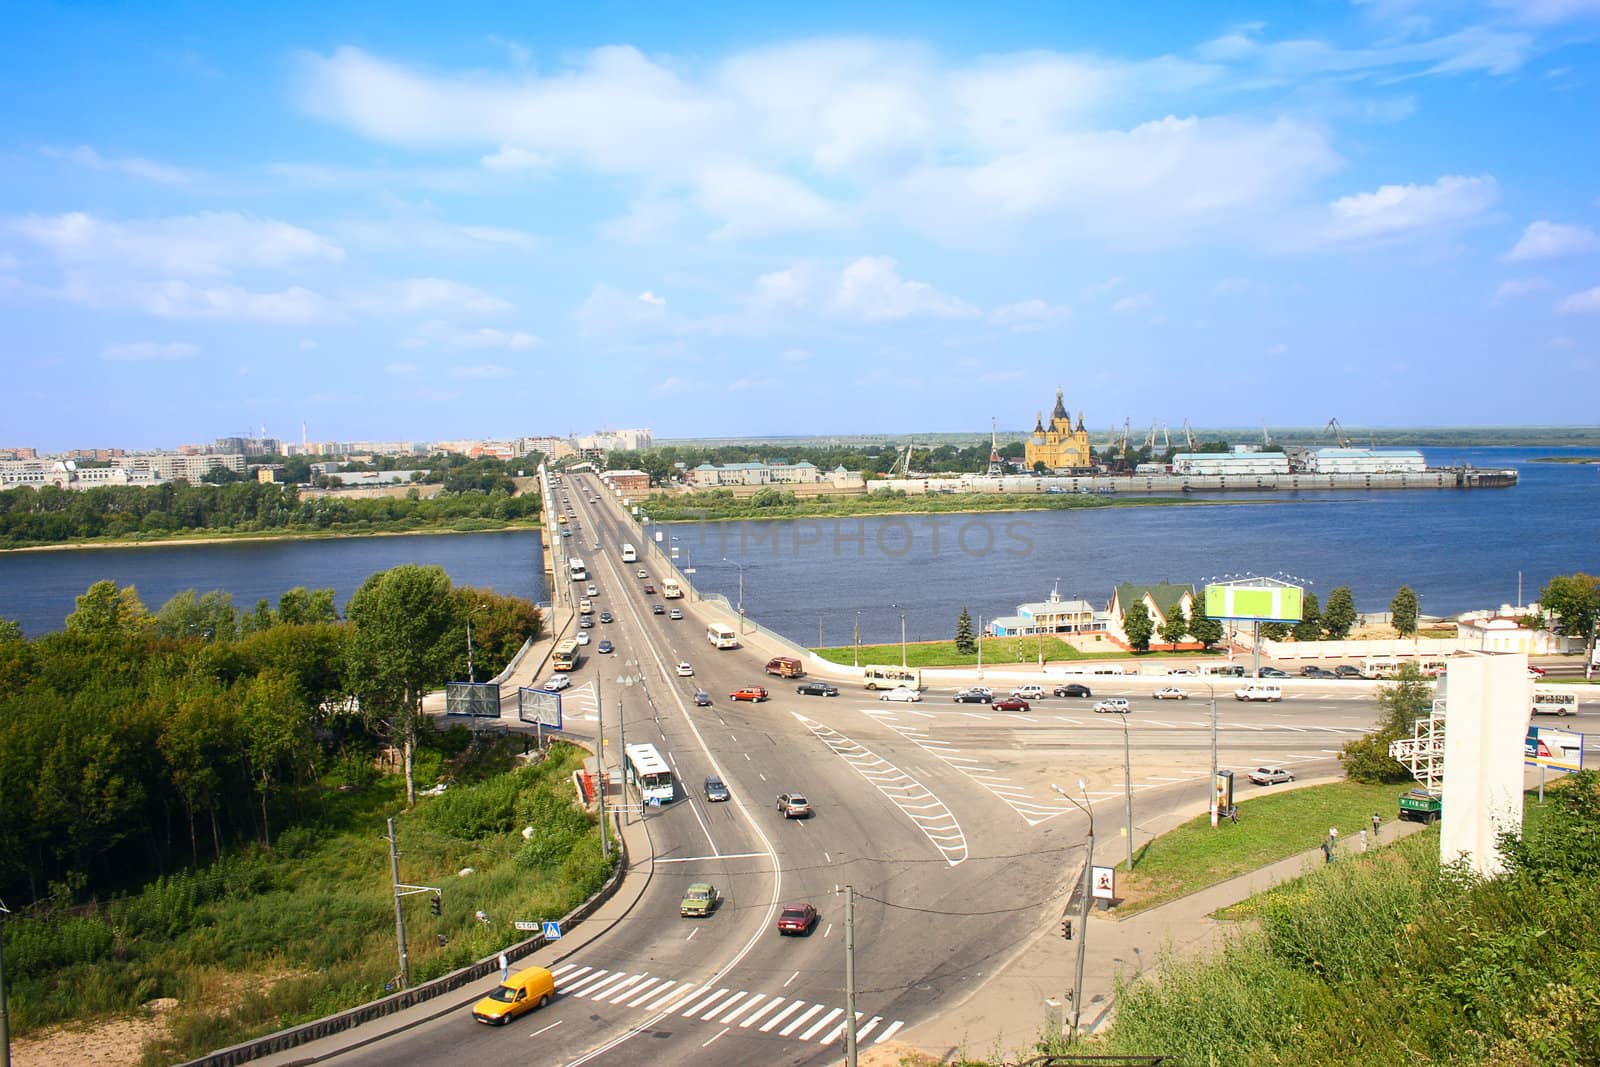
(1459, 549)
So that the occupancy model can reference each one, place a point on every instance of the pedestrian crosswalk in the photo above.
(763, 1013)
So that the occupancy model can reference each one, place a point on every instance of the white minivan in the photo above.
(1258, 692)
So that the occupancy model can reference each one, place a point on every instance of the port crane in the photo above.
(1188, 435)
(1338, 433)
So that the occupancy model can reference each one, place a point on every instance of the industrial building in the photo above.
(1237, 462)
(1363, 461)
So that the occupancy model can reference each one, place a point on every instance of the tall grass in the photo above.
(265, 939)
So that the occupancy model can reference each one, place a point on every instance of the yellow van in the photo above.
(522, 992)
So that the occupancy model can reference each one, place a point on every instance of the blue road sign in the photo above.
(552, 931)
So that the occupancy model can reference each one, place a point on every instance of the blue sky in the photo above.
(422, 222)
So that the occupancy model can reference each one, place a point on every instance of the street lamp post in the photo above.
(736, 563)
(980, 648)
(858, 637)
(629, 678)
(902, 637)
(1127, 785)
(1083, 914)
(1211, 787)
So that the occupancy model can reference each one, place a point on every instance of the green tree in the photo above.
(1403, 611)
(274, 729)
(1175, 628)
(1206, 630)
(397, 652)
(1565, 843)
(1274, 631)
(965, 643)
(1309, 628)
(105, 609)
(1139, 627)
(210, 617)
(10, 630)
(1340, 613)
(1574, 601)
(1402, 704)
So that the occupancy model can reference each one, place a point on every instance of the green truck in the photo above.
(1419, 805)
(698, 900)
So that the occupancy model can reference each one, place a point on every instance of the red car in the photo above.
(1011, 704)
(753, 693)
(797, 919)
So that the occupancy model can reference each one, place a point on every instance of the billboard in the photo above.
(540, 706)
(1257, 601)
(478, 699)
(1559, 750)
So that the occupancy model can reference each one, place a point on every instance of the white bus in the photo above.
(1554, 702)
(721, 635)
(628, 554)
(671, 589)
(649, 773)
(877, 676)
(1380, 666)
(578, 571)
(565, 657)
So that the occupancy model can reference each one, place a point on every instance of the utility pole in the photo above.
(1083, 914)
(600, 760)
(1212, 788)
(399, 913)
(471, 677)
(850, 976)
(858, 637)
(902, 639)
(980, 648)
(1127, 787)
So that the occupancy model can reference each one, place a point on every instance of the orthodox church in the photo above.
(1058, 446)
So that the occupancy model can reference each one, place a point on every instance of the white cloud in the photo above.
(760, 203)
(483, 371)
(1396, 209)
(1515, 287)
(746, 384)
(650, 298)
(453, 336)
(409, 233)
(1102, 288)
(1549, 11)
(134, 167)
(182, 300)
(1132, 305)
(671, 385)
(149, 351)
(1544, 239)
(512, 158)
(794, 355)
(791, 287)
(1026, 316)
(871, 288)
(609, 311)
(207, 244)
(1588, 300)
(650, 218)
(411, 295)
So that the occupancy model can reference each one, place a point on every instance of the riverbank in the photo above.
(664, 509)
(215, 537)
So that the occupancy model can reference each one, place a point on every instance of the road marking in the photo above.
(894, 1028)
(696, 930)
(726, 1004)
(763, 777)
(793, 1007)
(818, 1025)
(747, 758)
(678, 998)
(715, 1036)
(754, 1017)
(863, 1031)
(673, 758)
(826, 856)
(561, 970)
(795, 975)
(828, 931)
(801, 1021)
(609, 986)
(641, 991)
(703, 827)
(623, 991)
(718, 856)
(703, 1001)
(577, 987)
(838, 1031)
(747, 1006)
(552, 1026)
(952, 846)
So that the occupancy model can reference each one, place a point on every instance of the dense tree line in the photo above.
(133, 743)
(48, 515)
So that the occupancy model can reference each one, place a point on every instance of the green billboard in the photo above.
(1255, 601)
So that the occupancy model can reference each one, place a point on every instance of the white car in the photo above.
(643, 573)
(685, 670)
(1183, 671)
(903, 694)
(583, 637)
(1114, 705)
(1029, 692)
(1170, 692)
(1270, 776)
(594, 590)
(556, 683)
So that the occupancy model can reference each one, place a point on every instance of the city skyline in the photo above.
(393, 224)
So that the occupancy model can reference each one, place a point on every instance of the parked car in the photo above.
(1029, 692)
(657, 609)
(583, 637)
(1345, 670)
(1270, 776)
(816, 689)
(685, 669)
(1113, 705)
(675, 614)
(1318, 672)
(973, 696)
(702, 699)
(797, 919)
(1170, 692)
(605, 616)
(753, 693)
(716, 792)
(794, 806)
(604, 647)
(1012, 703)
(1073, 689)
(699, 900)
(556, 683)
(1271, 672)
(903, 694)
(522, 992)
(1183, 671)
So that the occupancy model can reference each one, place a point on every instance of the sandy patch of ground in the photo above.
(113, 1043)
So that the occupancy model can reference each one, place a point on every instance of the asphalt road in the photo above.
(940, 815)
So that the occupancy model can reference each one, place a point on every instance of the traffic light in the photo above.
(1066, 929)
(437, 904)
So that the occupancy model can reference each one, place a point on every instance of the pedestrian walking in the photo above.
(505, 968)
(1375, 821)
(1327, 852)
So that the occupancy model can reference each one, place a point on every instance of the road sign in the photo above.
(552, 931)
(526, 924)
(1103, 883)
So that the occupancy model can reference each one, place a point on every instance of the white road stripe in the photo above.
(815, 1027)
(578, 989)
(574, 976)
(838, 1031)
(642, 992)
(894, 1028)
(564, 968)
(746, 1006)
(865, 1029)
(726, 1004)
(677, 997)
(798, 1023)
(610, 983)
(754, 1017)
(703, 1001)
(793, 1007)
(620, 992)
(715, 1036)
